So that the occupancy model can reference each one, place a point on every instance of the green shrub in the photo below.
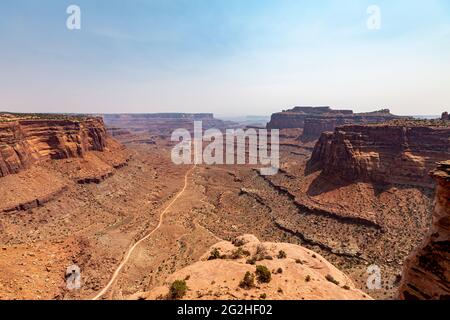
(215, 254)
(282, 255)
(248, 282)
(178, 290)
(263, 274)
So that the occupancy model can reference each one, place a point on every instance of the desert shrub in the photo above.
(248, 282)
(263, 296)
(263, 274)
(237, 242)
(308, 278)
(346, 287)
(282, 255)
(298, 261)
(178, 290)
(330, 278)
(279, 270)
(251, 261)
(215, 254)
(280, 290)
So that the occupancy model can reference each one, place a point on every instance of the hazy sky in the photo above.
(224, 56)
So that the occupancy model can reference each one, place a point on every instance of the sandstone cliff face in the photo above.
(427, 270)
(23, 142)
(382, 153)
(299, 275)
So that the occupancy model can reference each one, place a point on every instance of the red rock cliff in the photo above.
(400, 154)
(25, 141)
(427, 270)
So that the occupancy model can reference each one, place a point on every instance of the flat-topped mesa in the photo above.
(137, 116)
(427, 271)
(161, 123)
(315, 120)
(295, 118)
(401, 153)
(26, 139)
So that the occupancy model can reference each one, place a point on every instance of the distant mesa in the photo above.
(400, 151)
(427, 271)
(316, 120)
(445, 116)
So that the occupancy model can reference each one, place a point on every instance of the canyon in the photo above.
(83, 191)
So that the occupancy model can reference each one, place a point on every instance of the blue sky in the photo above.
(229, 57)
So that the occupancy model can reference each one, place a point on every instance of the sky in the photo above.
(228, 57)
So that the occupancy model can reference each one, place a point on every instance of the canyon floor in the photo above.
(95, 225)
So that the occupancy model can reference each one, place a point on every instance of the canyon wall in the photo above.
(25, 141)
(402, 154)
(427, 271)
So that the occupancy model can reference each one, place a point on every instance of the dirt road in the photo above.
(131, 250)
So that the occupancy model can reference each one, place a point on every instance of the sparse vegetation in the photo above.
(263, 296)
(282, 255)
(263, 274)
(279, 270)
(178, 290)
(239, 253)
(346, 287)
(298, 261)
(251, 261)
(248, 282)
(308, 278)
(330, 278)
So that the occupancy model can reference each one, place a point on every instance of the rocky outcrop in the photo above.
(286, 272)
(24, 141)
(402, 154)
(427, 271)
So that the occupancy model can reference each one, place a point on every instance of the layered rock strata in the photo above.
(26, 141)
(427, 270)
(400, 153)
